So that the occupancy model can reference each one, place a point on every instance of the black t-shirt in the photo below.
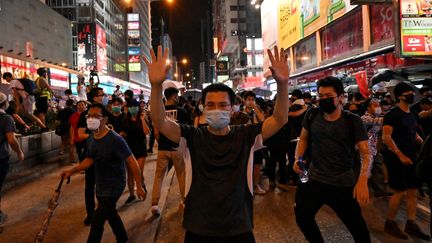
(134, 130)
(219, 179)
(404, 130)
(177, 114)
(109, 154)
(64, 115)
(117, 122)
(332, 145)
(7, 125)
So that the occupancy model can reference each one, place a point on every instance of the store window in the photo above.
(382, 23)
(343, 36)
(305, 52)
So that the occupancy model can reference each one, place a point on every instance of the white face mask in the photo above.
(236, 108)
(93, 124)
(218, 119)
(377, 111)
(200, 107)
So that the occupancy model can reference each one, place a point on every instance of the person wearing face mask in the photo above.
(401, 138)
(109, 166)
(7, 138)
(134, 130)
(167, 149)
(199, 120)
(73, 121)
(424, 92)
(95, 97)
(238, 117)
(373, 121)
(218, 157)
(117, 118)
(331, 134)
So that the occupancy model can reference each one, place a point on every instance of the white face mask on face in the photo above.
(236, 108)
(218, 119)
(377, 111)
(93, 123)
(200, 107)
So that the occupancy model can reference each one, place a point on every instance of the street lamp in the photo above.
(184, 61)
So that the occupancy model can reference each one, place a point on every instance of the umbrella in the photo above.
(353, 88)
(262, 92)
(195, 93)
(171, 83)
(385, 76)
(52, 205)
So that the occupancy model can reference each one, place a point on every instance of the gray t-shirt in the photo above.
(332, 146)
(6, 125)
(109, 154)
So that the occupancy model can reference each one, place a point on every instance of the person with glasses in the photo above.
(330, 134)
(401, 138)
(110, 171)
(218, 157)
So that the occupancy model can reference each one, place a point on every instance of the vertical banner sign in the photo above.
(86, 47)
(134, 45)
(101, 57)
(416, 27)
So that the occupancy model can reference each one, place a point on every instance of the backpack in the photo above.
(29, 86)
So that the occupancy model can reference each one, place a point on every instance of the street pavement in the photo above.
(273, 214)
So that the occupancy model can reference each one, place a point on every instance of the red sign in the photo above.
(101, 56)
(252, 82)
(413, 43)
(382, 22)
(134, 59)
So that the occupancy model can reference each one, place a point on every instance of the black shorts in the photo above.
(259, 156)
(401, 176)
(139, 149)
(41, 105)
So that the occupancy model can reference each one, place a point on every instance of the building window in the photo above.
(234, 21)
(233, 8)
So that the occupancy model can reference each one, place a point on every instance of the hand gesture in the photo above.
(279, 65)
(141, 193)
(158, 67)
(405, 160)
(361, 192)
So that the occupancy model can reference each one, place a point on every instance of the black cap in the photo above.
(426, 100)
(401, 88)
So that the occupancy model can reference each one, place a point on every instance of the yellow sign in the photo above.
(289, 24)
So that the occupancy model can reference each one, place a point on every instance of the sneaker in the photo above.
(413, 229)
(3, 217)
(283, 187)
(392, 228)
(130, 200)
(87, 220)
(155, 210)
(258, 190)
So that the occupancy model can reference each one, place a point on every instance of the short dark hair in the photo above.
(401, 88)
(249, 94)
(169, 92)
(307, 95)
(69, 102)
(369, 101)
(297, 93)
(7, 75)
(104, 110)
(331, 81)
(129, 93)
(68, 91)
(116, 99)
(218, 87)
(93, 93)
(41, 71)
(421, 90)
(358, 96)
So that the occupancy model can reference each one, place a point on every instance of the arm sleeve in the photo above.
(82, 120)
(306, 120)
(187, 132)
(122, 149)
(389, 119)
(360, 133)
(9, 124)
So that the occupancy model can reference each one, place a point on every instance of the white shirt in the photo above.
(15, 83)
(82, 95)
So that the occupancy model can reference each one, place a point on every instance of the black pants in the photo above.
(152, 139)
(311, 196)
(291, 159)
(80, 149)
(4, 169)
(243, 238)
(277, 156)
(106, 210)
(89, 191)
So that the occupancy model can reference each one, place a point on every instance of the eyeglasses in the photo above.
(88, 116)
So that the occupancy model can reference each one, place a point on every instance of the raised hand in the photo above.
(279, 65)
(158, 67)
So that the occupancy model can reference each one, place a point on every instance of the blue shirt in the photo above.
(109, 154)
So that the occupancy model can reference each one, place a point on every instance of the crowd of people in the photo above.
(333, 147)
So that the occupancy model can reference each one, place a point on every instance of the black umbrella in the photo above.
(384, 76)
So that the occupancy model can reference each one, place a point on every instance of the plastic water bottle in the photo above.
(304, 175)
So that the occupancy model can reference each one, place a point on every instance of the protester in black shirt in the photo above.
(218, 157)
(117, 118)
(401, 138)
(64, 130)
(331, 134)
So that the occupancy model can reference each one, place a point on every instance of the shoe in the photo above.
(155, 210)
(258, 190)
(130, 200)
(3, 217)
(272, 184)
(413, 229)
(87, 220)
(392, 228)
(283, 187)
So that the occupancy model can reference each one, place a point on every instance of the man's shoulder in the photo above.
(6, 119)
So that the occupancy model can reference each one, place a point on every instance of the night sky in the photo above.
(185, 31)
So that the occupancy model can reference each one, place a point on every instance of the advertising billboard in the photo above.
(133, 25)
(134, 50)
(382, 22)
(416, 27)
(269, 23)
(86, 49)
(288, 14)
(101, 56)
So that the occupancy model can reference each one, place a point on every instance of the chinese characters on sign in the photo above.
(101, 50)
(134, 50)
(86, 47)
(416, 27)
